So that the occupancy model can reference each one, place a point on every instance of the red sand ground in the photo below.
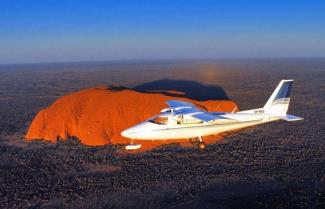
(98, 115)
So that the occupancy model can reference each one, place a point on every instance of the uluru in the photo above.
(96, 116)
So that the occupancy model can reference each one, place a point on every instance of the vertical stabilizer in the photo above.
(279, 101)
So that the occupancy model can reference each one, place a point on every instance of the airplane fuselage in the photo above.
(152, 131)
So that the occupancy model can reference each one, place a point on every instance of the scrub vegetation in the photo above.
(277, 165)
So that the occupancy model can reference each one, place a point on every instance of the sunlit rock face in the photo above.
(96, 116)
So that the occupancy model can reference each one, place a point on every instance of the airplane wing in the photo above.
(208, 117)
(182, 108)
(189, 108)
(177, 104)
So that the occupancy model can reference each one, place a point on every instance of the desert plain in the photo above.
(276, 165)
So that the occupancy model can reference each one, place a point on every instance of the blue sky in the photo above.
(68, 30)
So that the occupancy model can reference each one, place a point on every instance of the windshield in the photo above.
(159, 120)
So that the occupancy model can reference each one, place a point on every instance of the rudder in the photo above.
(279, 101)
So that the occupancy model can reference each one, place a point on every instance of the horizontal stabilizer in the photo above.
(290, 117)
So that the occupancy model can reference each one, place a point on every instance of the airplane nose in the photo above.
(125, 133)
(130, 132)
(137, 131)
(133, 132)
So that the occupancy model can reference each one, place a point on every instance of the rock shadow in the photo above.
(189, 89)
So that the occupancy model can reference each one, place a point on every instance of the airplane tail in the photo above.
(278, 103)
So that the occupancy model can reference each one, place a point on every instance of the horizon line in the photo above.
(144, 60)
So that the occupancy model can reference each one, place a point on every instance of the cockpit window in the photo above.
(159, 120)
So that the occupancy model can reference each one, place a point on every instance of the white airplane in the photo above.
(183, 120)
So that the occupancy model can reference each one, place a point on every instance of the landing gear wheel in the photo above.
(201, 145)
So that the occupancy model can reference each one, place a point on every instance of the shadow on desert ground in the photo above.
(190, 89)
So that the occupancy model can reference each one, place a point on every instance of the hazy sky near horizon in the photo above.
(68, 30)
